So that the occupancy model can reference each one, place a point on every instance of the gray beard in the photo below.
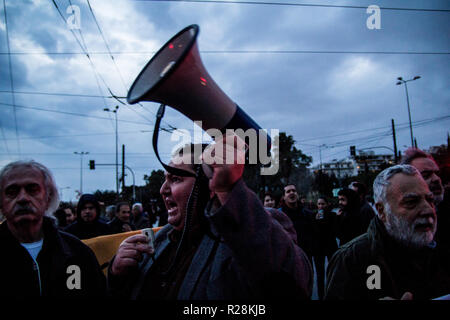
(404, 232)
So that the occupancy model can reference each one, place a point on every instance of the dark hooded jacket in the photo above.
(350, 223)
(21, 277)
(352, 274)
(87, 230)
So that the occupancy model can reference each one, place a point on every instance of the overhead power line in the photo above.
(170, 128)
(291, 4)
(72, 113)
(61, 94)
(398, 126)
(85, 52)
(106, 44)
(96, 73)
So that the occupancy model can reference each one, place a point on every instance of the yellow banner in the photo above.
(105, 247)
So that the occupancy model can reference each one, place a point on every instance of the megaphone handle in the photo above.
(173, 170)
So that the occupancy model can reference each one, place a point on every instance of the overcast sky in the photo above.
(317, 73)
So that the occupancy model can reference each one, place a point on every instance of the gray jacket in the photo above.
(255, 257)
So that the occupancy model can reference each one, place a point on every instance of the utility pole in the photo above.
(395, 141)
(123, 167)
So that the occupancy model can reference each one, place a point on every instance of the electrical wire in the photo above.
(11, 79)
(106, 44)
(291, 4)
(72, 113)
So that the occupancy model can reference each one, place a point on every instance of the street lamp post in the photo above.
(82, 153)
(117, 148)
(401, 81)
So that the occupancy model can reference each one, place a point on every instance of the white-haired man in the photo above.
(397, 258)
(140, 218)
(37, 258)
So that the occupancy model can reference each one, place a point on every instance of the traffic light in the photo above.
(353, 151)
(92, 164)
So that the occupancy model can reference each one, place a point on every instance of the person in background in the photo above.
(37, 258)
(71, 216)
(269, 200)
(60, 216)
(122, 221)
(349, 223)
(88, 224)
(140, 218)
(366, 212)
(110, 212)
(301, 218)
(397, 257)
(324, 240)
(158, 216)
(430, 172)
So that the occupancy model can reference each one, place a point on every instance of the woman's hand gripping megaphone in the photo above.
(225, 159)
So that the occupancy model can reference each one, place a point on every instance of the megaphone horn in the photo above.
(175, 76)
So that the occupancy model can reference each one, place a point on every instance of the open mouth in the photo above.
(424, 226)
(171, 206)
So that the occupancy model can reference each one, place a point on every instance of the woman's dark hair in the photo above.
(268, 193)
(324, 198)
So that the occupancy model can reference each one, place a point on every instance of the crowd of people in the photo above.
(90, 219)
(220, 241)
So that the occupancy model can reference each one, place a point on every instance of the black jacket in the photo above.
(302, 220)
(324, 234)
(141, 221)
(86, 230)
(19, 275)
(351, 224)
(423, 272)
(116, 225)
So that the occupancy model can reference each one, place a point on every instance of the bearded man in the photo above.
(397, 258)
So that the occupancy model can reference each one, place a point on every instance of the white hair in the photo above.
(137, 204)
(49, 182)
(382, 181)
(398, 226)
